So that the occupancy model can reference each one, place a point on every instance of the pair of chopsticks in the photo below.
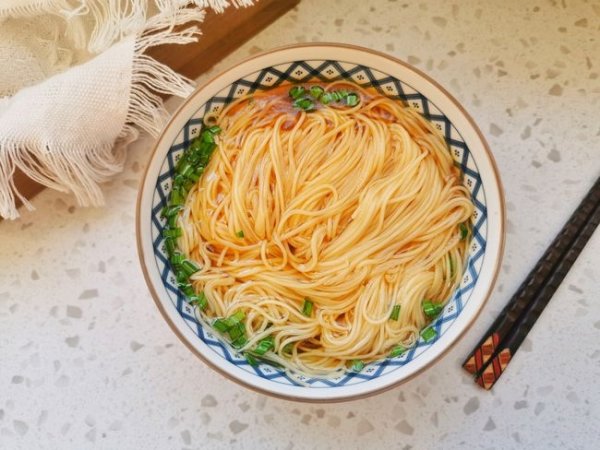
(495, 350)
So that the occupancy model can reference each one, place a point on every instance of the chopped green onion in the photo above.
(193, 158)
(240, 234)
(177, 258)
(296, 92)
(237, 317)
(189, 268)
(181, 277)
(205, 151)
(171, 232)
(176, 198)
(357, 365)
(352, 99)
(395, 312)
(428, 334)
(215, 129)
(236, 331)
(231, 325)
(172, 222)
(397, 351)
(199, 300)
(316, 91)
(264, 345)
(342, 93)
(179, 180)
(307, 307)
(327, 98)
(169, 210)
(305, 104)
(170, 246)
(202, 300)
(221, 325)
(196, 175)
(251, 359)
(194, 147)
(240, 342)
(185, 168)
(336, 96)
(464, 231)
(186, 288)
(187, 185)
(208, 137)
(431, 309)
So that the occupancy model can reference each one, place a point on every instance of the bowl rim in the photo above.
(368, 392)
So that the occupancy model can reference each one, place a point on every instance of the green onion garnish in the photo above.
(397, 351)
(177, 258)
(342, 93)
(395, 312)
(187, 170)
(221, 325)
(357, 365)
(172, 222)
(208, 137)
(225, 324)
(240, 342)
(237, 317)
(170, 246)
(189, 268)
(251, 359)
(264, 345)
(464, 231)
(296, 92)
(305, 104)
(428, 334)
(187, 184)
(236, 331)
(182, 278)
(176, 197)
(200, 300)
(179, 179)
(170, 210)
(431, 309)
(352, 100)
(327, 98)
(187, 289)
(307, 307)
(196, 175)
(171, 232)
(316, 92)
(240, 234)
(184, 168)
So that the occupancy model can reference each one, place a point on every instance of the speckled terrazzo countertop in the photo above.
(87, 361)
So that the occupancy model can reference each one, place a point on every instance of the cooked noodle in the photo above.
(355, 208)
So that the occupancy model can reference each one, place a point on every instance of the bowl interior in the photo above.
(247, 80)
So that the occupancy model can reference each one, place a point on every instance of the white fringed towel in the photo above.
(68, 131)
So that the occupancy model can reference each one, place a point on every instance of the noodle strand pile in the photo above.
(353, 209)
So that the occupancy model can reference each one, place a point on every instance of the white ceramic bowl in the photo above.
(394, 78)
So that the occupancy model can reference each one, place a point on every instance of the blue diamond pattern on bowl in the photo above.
(305, 71)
